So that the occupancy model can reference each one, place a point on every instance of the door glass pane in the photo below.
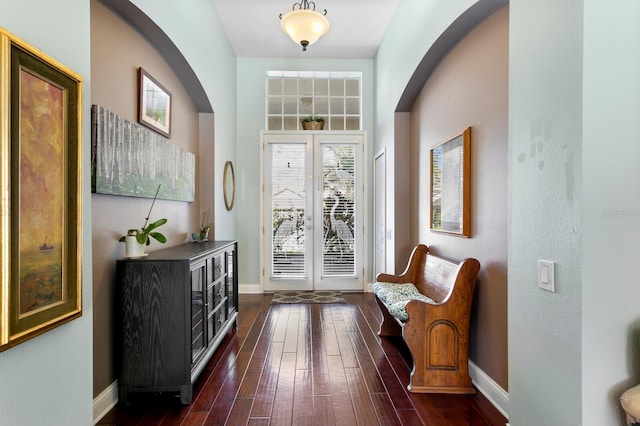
(291, 123)
(337, 87)
(287, 210)
(291, 105)
(353, 87)
(290, 86)
(337, 123)
(275, 86)
(275, 105)
(353, 123)
(321, 106)
(353, 106)
(306, 105)
(321, 87)
(337, 106)
(306, 87)
(275, 123)
(338, 171)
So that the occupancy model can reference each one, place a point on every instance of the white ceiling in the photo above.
(356, 28)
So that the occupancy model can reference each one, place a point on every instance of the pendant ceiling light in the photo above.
(303, 24)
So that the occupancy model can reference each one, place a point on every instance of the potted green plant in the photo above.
(312, 122)
(137, 239)
(203, 234)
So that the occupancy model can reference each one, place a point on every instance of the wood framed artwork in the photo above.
(154, 104)
(41, 183)
(451, 185)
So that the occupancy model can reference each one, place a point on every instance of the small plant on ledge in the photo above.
(204, 229)
(312, 122)
(137, 239)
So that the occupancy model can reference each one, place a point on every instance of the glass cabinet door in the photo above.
(231, 271)
(198, 276)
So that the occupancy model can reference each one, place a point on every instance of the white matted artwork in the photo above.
(451, 186)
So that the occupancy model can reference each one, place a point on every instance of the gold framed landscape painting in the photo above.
(41, 202)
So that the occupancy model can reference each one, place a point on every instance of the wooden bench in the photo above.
(436, 329)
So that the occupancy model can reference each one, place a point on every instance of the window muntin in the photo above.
(334, 96)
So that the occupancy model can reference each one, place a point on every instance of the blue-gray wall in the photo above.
(611, 207)
(545, 198)
(47, 380)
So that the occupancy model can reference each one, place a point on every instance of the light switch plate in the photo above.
(546, 275)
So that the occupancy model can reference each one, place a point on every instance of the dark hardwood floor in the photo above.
(307, 365)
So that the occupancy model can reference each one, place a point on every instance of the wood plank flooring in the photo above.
(307, 365)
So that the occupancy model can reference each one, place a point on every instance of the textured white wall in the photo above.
(611, 213)
(47, 380)
(545, 197)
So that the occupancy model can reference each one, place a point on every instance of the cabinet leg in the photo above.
(186, 393)
(123, 394)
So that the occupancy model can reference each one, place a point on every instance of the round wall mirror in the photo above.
(229, 185)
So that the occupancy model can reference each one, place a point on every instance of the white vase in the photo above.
(133, 247)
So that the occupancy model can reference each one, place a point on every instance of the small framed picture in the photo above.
(154, 104)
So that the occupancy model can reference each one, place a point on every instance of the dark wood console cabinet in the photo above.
(176, 306)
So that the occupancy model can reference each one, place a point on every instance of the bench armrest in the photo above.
(414, 267)
(388, 278)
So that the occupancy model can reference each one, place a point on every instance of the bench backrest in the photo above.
(440, 276)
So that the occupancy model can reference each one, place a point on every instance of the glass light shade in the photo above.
(304, 25)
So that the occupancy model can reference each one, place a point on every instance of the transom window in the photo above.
(334, 96)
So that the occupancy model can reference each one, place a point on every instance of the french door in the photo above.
(313, 216)
(379, 214)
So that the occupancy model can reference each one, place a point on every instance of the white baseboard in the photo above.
(255, 288)
(104, 402)
(490, 389)
(249, 289)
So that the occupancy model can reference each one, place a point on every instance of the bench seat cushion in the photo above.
(396, 296)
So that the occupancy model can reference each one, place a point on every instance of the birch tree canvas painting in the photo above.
(130, 160)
